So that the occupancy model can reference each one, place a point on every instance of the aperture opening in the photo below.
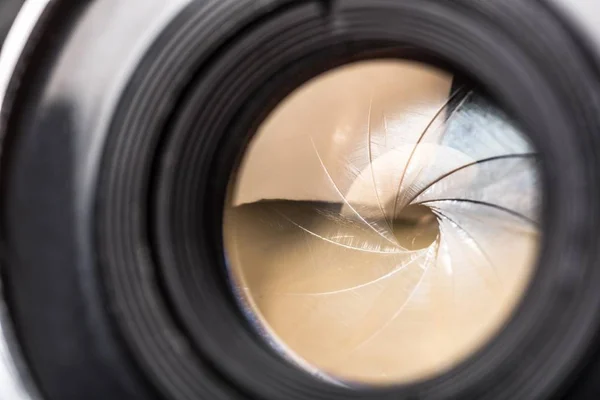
(369, 224)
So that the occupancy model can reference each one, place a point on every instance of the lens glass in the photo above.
(383, 223)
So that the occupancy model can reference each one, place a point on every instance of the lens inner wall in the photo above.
(221, 110)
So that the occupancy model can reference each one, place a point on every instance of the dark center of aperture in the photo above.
(416, 227)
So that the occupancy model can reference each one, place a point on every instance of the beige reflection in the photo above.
(380, 227)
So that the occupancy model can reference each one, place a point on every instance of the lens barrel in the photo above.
(122, 123)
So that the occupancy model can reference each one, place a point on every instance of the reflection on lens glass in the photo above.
(383, 223)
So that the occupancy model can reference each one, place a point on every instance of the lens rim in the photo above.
(51, 133)
(189, 358)
(196, 162)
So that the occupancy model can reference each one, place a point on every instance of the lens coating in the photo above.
(383, 223)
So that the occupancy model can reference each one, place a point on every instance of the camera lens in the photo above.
(383, 223)
(316, 199)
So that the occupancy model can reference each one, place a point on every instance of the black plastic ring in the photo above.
(167, 325)
(519, 52)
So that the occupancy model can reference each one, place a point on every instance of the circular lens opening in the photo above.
(383, 223)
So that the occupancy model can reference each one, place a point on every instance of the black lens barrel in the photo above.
(121, 133)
